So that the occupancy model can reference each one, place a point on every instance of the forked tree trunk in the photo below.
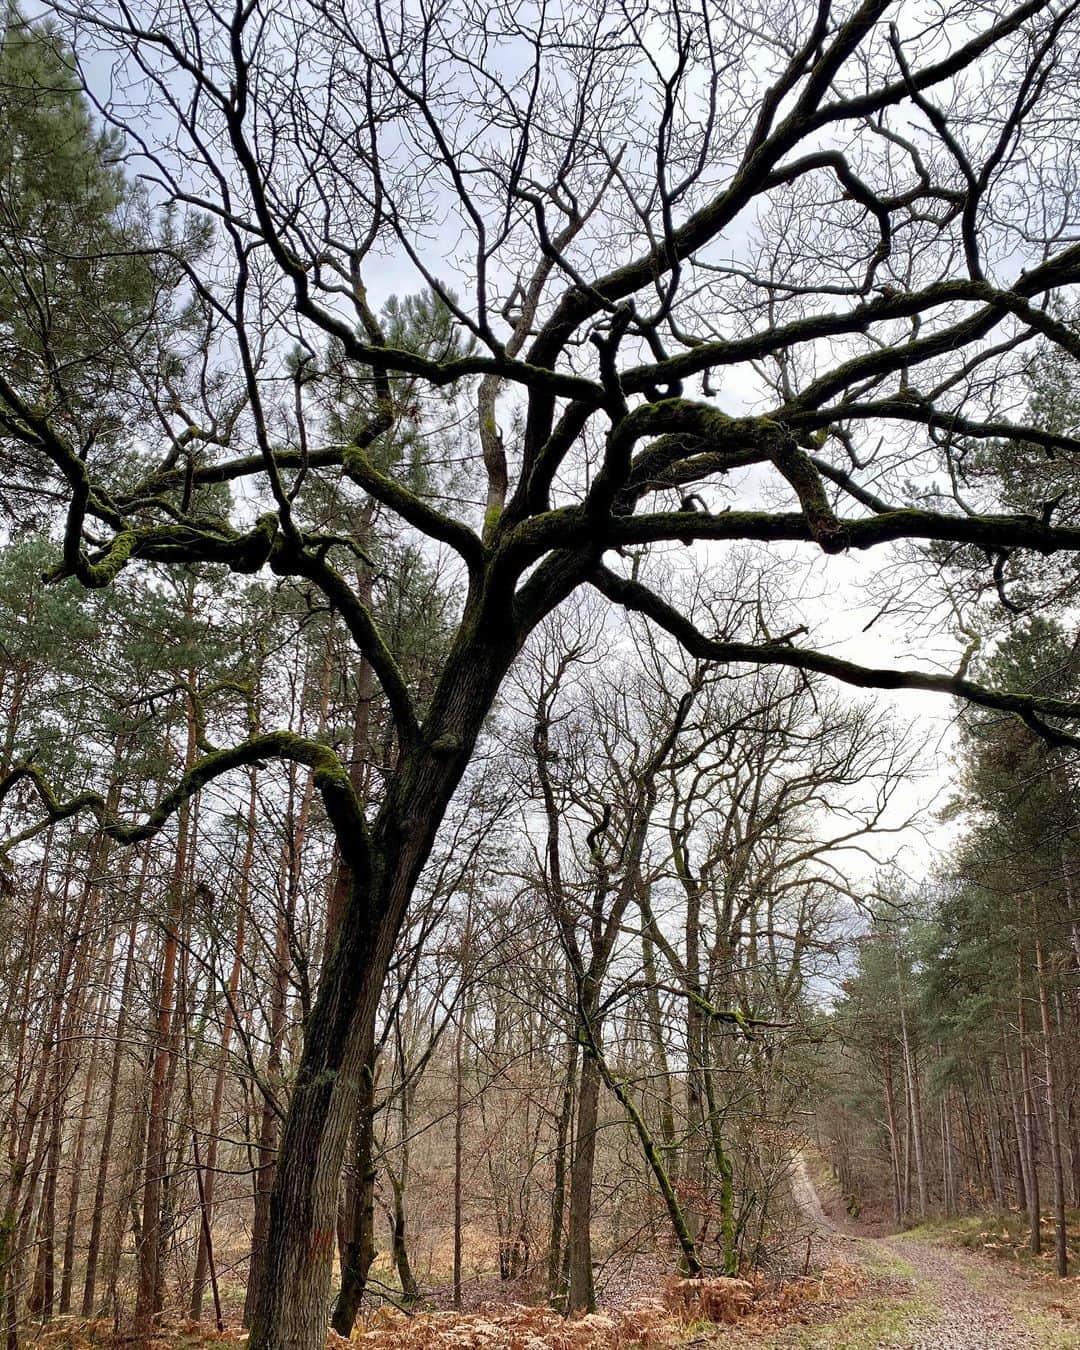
(293, 1297)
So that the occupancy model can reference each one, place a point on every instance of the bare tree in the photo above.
(832, 219)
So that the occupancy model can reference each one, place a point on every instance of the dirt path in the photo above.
(943, 1299)
(804, 1193)
(966, 1312)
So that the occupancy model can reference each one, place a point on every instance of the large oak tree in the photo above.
(718, 273)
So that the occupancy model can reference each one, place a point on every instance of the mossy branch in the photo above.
(330, 777)
(411, 508)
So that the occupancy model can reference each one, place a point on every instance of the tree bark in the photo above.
(1061, 1251)
(1030, 1119)
(581, 1295)
(555, 1282)
(108, 1128)
(206, 1190)
(385, 864)
(894, 1138)
(914, 1095)
(149, 1250)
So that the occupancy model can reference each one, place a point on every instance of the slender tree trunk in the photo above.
(79, 1153)
(894, 1140)
(729, 1254)
(581, 1295)
(1019, 1146)
(207, 1187)
(161, 1073)
(993, 1139)
(269, 1122)
(1030, 1119)
(399, 1250)
(459, 1150)
(914, 1095)
(100, 1187)
(556, 1249)
(1061, 1252)
(659, 1049)
(175, 1143)
(689, 1259)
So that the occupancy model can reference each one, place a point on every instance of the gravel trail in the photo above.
(967, 1317)
(963, 1310)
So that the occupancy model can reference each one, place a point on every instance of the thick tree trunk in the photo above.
(358, 1243)
(293, 1297)
(359, 1250)
(290, 1312)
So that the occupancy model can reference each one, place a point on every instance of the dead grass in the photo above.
(682, 1311)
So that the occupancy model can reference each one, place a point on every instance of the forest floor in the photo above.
(963, 1284)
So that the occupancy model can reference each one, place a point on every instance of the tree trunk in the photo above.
(1030, 1125)
(914, 1095)
(94, 1245)
(206, 1190)
(79, 1154)
(360, 1219)
(894, 1138)
(581, 1296)
(161, 1074)
(410, 1290)
(459, 1149)
(1019, 1148)
(294, 1289)
(1061, 1252)
(555, 1282)
(291, 1305)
